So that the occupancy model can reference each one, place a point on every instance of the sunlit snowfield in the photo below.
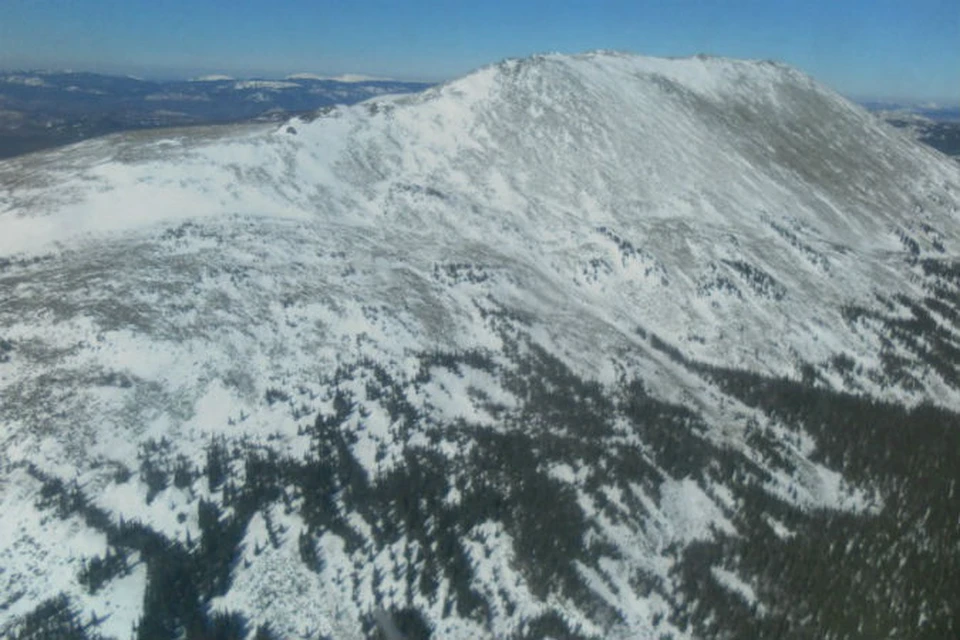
(595, 346)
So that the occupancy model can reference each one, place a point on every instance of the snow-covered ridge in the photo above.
(30, 81)
(344, 77)
(214, 77)
(715, 172)
(273, 85)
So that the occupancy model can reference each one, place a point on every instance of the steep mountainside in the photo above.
(597, 346)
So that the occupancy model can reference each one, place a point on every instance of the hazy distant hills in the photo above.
(935, 112)
(46, 109)
(935, 125)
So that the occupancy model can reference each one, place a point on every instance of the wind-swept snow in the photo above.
(413, 258)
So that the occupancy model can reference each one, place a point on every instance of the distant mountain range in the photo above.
(933, 111)
(46, 109)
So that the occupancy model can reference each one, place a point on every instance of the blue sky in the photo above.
(863, 48)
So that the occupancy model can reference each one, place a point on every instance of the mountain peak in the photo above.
(700, 73)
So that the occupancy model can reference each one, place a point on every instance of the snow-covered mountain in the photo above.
(596, 346)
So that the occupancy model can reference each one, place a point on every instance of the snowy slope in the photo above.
(406, 287)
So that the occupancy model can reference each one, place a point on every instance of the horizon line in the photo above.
(158, 73)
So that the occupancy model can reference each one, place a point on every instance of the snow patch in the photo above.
(690, 513)
(733, 582)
